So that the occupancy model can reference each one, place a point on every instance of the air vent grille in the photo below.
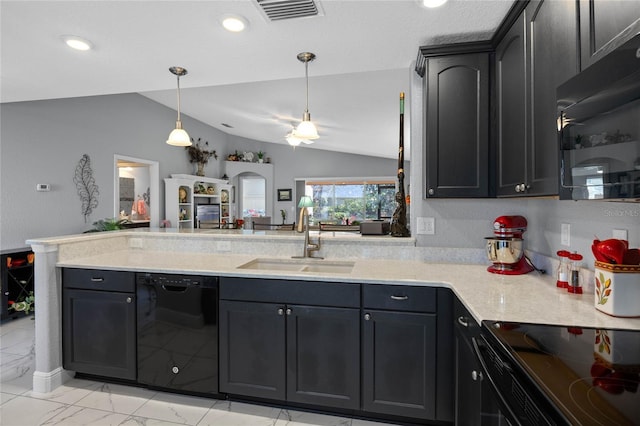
(277, 10)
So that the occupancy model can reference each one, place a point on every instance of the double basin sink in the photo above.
(299, 265)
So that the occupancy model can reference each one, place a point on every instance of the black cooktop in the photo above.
(591, 375)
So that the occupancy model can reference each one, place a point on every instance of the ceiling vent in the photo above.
(277, 10)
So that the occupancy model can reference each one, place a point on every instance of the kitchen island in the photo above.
(531, 298)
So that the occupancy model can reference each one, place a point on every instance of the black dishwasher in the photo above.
(177, 323)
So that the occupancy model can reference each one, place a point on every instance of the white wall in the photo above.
(42, 142)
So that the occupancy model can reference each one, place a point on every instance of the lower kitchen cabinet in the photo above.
(99, 322)
(406, 352)
(275, 343)
(468, 402)
(399, 363)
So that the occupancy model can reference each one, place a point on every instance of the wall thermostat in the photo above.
(43, 187)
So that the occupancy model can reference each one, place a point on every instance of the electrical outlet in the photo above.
(620, 234)
(426, 226)
(565, 234)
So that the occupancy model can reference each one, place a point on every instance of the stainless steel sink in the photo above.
(299, 265)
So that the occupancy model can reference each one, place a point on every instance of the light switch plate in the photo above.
(620, 234)
(565, 234)
(426, 226)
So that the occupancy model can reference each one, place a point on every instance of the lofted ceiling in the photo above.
(251, 81)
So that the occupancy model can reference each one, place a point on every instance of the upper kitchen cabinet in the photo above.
(456, 88)
(600, 22)
(537, 54)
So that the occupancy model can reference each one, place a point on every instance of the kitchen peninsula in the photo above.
(371, 260)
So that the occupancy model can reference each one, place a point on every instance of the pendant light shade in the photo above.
(306, 129)
(178, 136)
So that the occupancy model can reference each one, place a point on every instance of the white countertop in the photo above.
(520, 298)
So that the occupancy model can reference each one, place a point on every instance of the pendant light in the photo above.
(306, 129)
(179, 137)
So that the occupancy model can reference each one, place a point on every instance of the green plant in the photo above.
(25, 305)
(283, 213)
(109, 224)
(260, 154)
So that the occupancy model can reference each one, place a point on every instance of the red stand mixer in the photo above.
(505, 249)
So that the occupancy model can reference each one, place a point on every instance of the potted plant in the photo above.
(200, 155)
(260, 155)
(283, 213)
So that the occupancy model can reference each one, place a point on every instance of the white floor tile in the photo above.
(22, 411)
(4, 397)
(16, 373)
(86, 416)
(301, 418)
(176, 408)
(227, 413)
(18, 341)
(69, 393)
(116, 398)
(143, 421)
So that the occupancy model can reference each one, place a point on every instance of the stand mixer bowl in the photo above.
(504, 251)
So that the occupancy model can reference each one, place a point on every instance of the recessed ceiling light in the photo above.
(433, 3)
(234, 23)
(77, 43)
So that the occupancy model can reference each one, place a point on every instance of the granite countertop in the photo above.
(520, 298)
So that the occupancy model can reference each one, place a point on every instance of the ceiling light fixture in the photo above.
(306, 129)
(179, 137)
(77, 43)
(234, 23)
(433, 3)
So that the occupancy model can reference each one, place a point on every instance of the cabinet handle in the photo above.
(280, 311)
(175, 370)
(129, 300)
(288, 311)
(400, 297)
(6, 293)
(367, 317)
(431, 191)
(463, 321)
(97, 279)
(476, 376)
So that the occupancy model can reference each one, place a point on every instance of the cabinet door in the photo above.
(600, 22)
(252, 349)
(323, 356)
(457, 126)
(468, 384)
(399, 364)
(550, 23)
(511, 110)
(99, 333)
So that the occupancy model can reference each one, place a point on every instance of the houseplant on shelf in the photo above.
(260, 155)
(200, 155)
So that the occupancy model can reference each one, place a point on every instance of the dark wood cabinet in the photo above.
(252, 349)
(99, 323)
(468, 401)
(405, 345)
(16, 277)
(456, 91)
(600, 22)
(537, 53)
(275, 347)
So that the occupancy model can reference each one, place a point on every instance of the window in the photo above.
(346, 202)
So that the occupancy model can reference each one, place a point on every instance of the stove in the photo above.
(548, 374)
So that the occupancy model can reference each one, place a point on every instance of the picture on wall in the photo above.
(284, 194)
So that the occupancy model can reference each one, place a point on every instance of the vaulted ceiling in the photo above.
(250, 81)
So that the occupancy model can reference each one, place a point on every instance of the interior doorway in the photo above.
(136, 190)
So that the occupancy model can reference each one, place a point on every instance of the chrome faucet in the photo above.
(309, 246)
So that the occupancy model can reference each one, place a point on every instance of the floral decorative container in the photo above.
(617, 289)
(617, 349)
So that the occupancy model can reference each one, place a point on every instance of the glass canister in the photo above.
(575, 285)
(563, 270)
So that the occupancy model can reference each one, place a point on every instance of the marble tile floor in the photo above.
(84, 402)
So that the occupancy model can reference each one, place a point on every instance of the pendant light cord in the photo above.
(178, 77)
(306, 75)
